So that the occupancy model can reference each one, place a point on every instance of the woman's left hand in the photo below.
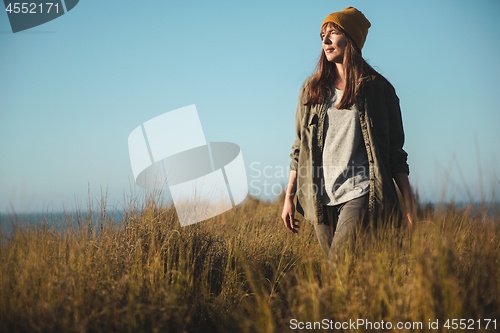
(404, 187)
(407, 216)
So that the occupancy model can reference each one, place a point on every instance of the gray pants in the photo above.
(340, 225)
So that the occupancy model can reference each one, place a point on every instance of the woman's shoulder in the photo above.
(380, 83)
(307, 82)
(304, 89)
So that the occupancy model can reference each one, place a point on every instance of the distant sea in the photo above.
(56, 220)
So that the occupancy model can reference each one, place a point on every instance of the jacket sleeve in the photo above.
(299, 115)
(396, 133)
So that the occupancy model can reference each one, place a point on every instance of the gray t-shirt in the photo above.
(345, 163)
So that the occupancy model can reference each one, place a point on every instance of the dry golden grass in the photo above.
(242, 271)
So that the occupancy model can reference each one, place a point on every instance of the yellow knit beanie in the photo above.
(353, 22)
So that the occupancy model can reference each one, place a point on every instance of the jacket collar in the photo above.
(365, 81)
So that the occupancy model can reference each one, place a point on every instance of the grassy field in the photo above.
(242, 271)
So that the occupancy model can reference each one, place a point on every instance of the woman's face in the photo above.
(334, 44)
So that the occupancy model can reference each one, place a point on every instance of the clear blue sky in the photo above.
(73, 89)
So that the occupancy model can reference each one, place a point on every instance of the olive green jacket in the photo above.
(382, 128)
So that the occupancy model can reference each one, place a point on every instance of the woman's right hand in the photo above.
(287, 215)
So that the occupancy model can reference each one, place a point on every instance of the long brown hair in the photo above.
(355, 67)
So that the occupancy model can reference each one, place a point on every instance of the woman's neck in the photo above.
(339, 76)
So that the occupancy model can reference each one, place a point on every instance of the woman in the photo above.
(349, 141)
